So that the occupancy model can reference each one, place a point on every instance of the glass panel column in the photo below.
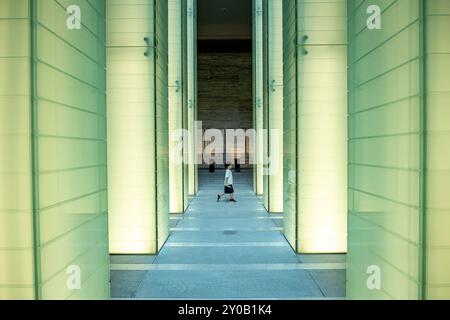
(258, 97)
(322, 126)
(290, 133)
(17, 263)
(316, 119)
(437, 157)
(385, 138)
(137, 126)
(273, 106)
(53, 152)
(192, 94)
(176, 106)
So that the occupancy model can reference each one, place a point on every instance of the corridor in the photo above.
(227, 251)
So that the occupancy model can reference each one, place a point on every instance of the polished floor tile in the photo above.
(222, 250)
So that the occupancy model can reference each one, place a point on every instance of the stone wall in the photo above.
(225, 90)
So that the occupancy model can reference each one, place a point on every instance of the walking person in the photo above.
(229, 190)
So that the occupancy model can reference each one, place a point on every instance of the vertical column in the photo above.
(137, 125)
(316, 120)
(437, 157)
(322, 126)
(161, 120)
(399, 164)
(273, 105)
(184, 18)
(290, 133)
(191, 28)
(17, 265)
(258, 96)
(70, 149)
(176, 106)
(385, 141)
(55, 143)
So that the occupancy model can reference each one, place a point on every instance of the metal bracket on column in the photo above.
(259, 103)
(272, 85)
(259, 11)
(190, 104)
(178, 83)
(149, 47)
(304, 39)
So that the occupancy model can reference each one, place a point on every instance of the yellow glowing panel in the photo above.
(384, 152)
(131, 129)
(273, 106)
(16, 220)
(176, 177)
(322, 129)
(192, 93)
(438, 151)
(258, 87)
(67, 188)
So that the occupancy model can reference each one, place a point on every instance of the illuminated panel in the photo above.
(192, 93)
(16, 221)
(273, 105)
(322, 126)
(131, 128)
(176, 177)
(162, 121)
(290, 122)
(71, 130)
(438, 151)
(384, 151)
(258, 85)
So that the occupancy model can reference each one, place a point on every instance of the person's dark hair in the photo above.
(227, 165)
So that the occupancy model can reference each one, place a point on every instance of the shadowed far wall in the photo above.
(225, 90)
(225, 86)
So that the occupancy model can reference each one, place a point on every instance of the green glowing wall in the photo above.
(137, 125)
(16, 192)
(315, 119)
(176, 105)
(290, 159)
(55, 108)
(258, 85)
(399, 163)
(162, 121)
(191, 85)
(273, 104)
(184, 5)
(437, 149)
(384, 146)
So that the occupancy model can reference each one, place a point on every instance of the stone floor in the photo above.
(227, 251)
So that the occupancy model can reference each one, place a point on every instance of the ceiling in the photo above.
(224, 19)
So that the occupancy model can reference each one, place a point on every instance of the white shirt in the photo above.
(229, 175)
